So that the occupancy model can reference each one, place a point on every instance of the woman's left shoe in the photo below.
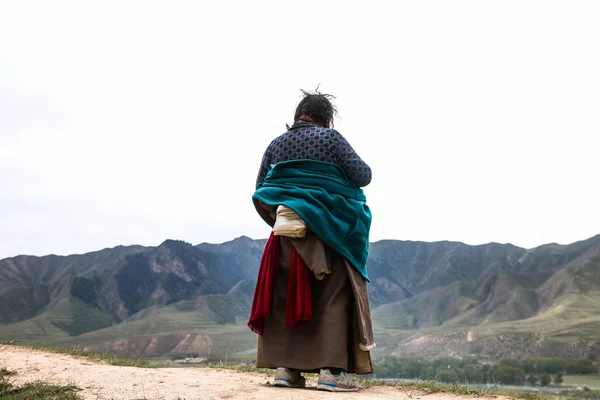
(285, 377)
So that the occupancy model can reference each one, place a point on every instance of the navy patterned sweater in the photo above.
(307, 141)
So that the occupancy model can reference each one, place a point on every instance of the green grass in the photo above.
(464, 389)
(37, 391)
(241, 367)
(34, 390)
(429, 386)
(4, 372)
(591, 381)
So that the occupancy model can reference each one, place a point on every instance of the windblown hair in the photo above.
(317, 106)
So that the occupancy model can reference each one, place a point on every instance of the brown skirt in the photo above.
(331, 339)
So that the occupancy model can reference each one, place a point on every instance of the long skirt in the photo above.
(331, 339)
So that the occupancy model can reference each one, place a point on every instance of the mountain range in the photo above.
(427, 299)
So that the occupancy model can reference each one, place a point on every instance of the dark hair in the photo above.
(317, 106)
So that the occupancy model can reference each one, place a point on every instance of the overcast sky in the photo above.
(127, 122)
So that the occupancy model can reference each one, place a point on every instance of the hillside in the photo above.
(428, 299)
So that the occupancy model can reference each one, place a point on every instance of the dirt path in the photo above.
(100, 381)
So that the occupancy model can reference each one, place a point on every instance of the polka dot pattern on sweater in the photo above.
(306, 141)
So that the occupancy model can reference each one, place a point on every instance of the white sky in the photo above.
(127, 122)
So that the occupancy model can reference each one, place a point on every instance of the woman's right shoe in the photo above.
(335, 383)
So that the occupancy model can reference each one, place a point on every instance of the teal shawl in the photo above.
(332, 207)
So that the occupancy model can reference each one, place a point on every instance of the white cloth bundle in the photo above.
(288, 223)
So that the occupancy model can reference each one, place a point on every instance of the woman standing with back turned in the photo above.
(311, 305)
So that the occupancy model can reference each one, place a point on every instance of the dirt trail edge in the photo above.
(100, 381)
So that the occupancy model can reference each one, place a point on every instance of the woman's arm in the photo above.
(265, 165)
(356, 169)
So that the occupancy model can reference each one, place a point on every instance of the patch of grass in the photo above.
(516, 394)
(4, 372)
(431, 386)
(586, 393)
(37, 391)
(591, 381)
(242, 367)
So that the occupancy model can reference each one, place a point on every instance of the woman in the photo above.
(311, 306)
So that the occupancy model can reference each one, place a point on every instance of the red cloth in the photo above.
(298, 304)
(298, 311)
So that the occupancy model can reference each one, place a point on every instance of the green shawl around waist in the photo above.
(332, 207)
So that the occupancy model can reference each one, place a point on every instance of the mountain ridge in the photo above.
(421, 292)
